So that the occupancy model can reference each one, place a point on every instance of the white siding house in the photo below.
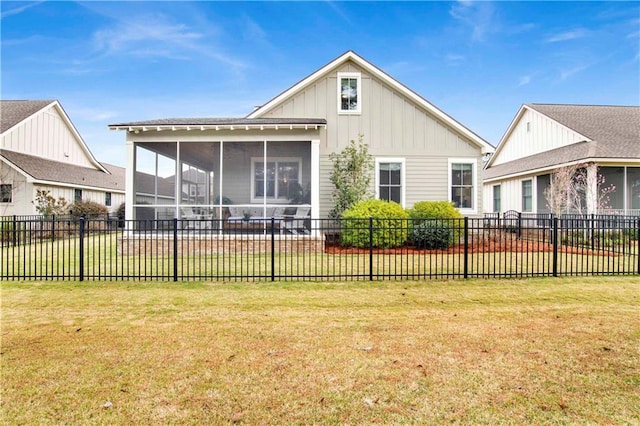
(543, 138)
(41, 149)
(420, 152)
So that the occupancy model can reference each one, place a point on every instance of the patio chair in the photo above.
(193, 220)
(296, 224)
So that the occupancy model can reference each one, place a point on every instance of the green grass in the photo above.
(552, 351)
(60, 259)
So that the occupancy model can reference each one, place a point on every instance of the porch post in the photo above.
(315, 185)
(129, 191)
(592, 189)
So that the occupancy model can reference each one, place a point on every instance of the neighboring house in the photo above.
(278, 156)
(41, 149)
(542, 138)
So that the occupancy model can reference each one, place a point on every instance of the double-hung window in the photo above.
(279, 181)
(462, 184)
(527, 196)
(390, 179)
(349, 93)
(6, 190)
(77, 194)
(496, 199)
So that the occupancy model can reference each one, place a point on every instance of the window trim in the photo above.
(255, 160)
(522, 206)
(10, 184)
(499, 199)
(474, 176)
(403, 180)
(358, 77)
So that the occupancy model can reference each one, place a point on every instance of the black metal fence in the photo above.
(317, 249)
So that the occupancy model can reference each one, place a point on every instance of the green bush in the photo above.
(435, 224)
(389, 224)
(88, 209)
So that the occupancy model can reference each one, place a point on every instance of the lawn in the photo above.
(543, 350)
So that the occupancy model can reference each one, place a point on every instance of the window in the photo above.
(280, 181)
(77, 194)
(390, 179)
(349, 89)
(107, 199)
(496, 199)
(527, 196)
(462, 184)
(6, 190)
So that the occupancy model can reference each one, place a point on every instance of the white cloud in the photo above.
(568, 35)
(454, 59)
(566, 73)
(524, 80)
(19, 9)
(480, 16)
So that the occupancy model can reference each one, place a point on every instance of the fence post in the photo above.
(53, 227)
(273, 249)
(14, 233)
(370, 248)
(554, 238)
(81, 249)
(175, 249)
(519, 225)
(638, 246)
(466, 247)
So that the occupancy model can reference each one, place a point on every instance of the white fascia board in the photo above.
(515, 122)
(72, 185)
(28, 118)
(602, 162)
(378, 73)
(79, 138)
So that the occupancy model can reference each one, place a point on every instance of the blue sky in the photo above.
(112, 62)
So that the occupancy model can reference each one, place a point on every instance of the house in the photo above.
(40, 149)
(542, 138)
(277, 157)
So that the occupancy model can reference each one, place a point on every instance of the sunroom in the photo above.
(223, 175)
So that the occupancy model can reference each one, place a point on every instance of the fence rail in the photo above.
(317, 249)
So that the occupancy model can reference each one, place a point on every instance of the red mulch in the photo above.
(477, 245)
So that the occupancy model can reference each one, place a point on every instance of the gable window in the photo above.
(390, 179)
(496, 199)
(462, 184)
(6, 189)
(107, 199)
(280, 180)
(527, 196)
(77, 194)
(349, 91)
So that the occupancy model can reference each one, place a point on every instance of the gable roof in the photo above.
(50, 171)
(387, 79)
(14, 112)
(609, 132)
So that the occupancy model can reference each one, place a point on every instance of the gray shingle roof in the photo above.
(614, 133)
(13, 112)
(49, 170)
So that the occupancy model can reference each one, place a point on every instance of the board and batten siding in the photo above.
(392, 126)
(534, 133)
(47, 135)
(510, 194)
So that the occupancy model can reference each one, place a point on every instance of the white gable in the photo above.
(50, 134)
(532, 133)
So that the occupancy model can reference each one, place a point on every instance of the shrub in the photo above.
(435, 224)
(47, 205)
(389, 224)
(88, 209)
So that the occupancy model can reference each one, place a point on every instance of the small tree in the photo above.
(48, 205)
(578, 188)
(351, 176)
